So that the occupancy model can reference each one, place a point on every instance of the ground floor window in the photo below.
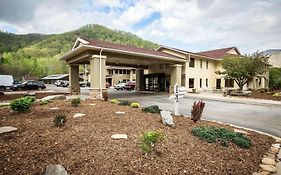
(200, 82)
(229, 83)
(191, 83)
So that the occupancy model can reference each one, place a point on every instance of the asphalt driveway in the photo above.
(259, 117)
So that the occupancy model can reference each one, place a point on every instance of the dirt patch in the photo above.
(84, 146)
(9, 97)
(265, 95)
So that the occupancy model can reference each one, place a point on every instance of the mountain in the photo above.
(38, 54)
(10, 42)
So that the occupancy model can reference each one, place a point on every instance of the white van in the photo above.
(6, 82)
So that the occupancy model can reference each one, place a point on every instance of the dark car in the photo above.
(130, 85)
(29, 85)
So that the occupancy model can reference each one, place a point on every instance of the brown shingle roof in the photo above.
(128, 48)
(217, 53)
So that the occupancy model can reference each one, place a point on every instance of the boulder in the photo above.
(54, 97)
(269, 168)
(119, 113)
(277, 145)
(119, 136)
(55, 170)
(268, 161)
(6, 129)
(274, 150)
(78, 115)
(167, 118)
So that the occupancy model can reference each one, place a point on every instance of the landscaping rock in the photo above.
(92, 104)
(55, 170)
(6, 129)
(78, 115)
(54, 97)
(269, 168)
(278, 169)
(167, 118)
(277, 145)
(269, 155)
(264, 173)
(268, 161)
(274, 150)
(119, 113)
(240, 131)
(119, 136)
(55, 108)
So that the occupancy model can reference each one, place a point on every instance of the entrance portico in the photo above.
(99, 54)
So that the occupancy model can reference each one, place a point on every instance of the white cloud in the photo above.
(189, 24)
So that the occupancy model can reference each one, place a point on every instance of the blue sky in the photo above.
(192, 25)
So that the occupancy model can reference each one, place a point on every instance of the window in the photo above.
(201, 63)
(191, 83)
(207, 64)
(206, 82)
(192, 62)
(200, 82)
(167, 66)
(120, 71)
(134, 71)
(128, 71)
(116, 71)
(229, 83)
(161, 66)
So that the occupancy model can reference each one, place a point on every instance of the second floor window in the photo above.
(207, 64)
(192, 62)
(207, 82)
(201, 63)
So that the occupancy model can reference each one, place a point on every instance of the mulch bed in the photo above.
(84, 146)
(9, 97)
(265, 95)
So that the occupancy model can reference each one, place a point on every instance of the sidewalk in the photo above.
(244, 100)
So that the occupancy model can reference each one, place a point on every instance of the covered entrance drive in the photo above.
(98, 54)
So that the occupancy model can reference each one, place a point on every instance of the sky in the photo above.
(192, 25)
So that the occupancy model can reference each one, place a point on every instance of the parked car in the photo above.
(120, 86)
(6, 82)
(29, 85)
(84, 84)
(61, 83)
(130, 85)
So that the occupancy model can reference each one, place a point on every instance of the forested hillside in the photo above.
(40, 57)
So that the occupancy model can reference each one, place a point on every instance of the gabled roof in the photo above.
(218, 53)
(183, 51)
(122, 47)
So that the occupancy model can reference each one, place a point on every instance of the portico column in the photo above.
(139, 79)
(74, 79)
(131, 75)
(186, 75)
(97, 75)
(176, 75)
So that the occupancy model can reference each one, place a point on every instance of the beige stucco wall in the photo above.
(203, 73)
(275, 60)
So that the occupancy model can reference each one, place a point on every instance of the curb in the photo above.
(242, 101)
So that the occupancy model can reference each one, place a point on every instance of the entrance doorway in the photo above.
(218, 84)
(155, 82)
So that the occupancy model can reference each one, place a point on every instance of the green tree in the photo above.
(275, 78)
(244, 68)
